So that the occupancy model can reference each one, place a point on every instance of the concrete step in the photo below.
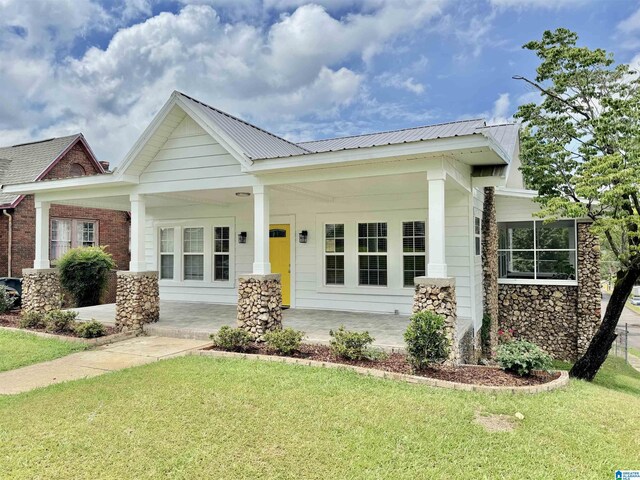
(153, 329)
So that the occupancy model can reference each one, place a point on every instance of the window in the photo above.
(413, 242)
(334, 253)
(221, 254)
(167, 250)
(67, 233)
(77, 170)
(193, 253)
(372, 254)
(477, 229)
(537, 251)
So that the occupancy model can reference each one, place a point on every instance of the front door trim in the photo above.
(291, 220)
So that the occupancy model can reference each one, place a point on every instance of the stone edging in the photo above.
(561, 381)
(94, 342)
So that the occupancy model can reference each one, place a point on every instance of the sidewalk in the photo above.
(117, 356)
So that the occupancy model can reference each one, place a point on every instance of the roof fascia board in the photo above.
(222, 138)
(65, 183)
(516, 192)
(428, 147)
(146, 135)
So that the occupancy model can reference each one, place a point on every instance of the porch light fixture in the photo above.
(302, 236)
(243, 194)
(242, 236)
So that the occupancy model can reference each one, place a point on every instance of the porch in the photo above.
(198, 320)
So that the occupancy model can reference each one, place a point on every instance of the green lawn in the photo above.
(18, 349)
(196, 417)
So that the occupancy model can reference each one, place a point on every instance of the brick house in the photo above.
(69, 225)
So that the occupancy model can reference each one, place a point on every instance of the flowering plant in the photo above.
(506, 336)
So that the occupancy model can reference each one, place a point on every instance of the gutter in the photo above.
(9, 241)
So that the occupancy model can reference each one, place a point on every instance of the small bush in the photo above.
(522, 357)
(91, 329)
(285, 341)
(60, 321)
(506, 336)
(352, 345)
(6, 301)
(31, 320)
(232, 339)
(426, 340)
(83, 273)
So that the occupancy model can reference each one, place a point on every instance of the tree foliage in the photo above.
(580, 148)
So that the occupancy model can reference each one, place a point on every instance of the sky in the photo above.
(298, 69)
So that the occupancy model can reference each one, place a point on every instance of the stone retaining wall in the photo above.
(137, 300)
(41, 290)
(589, 303)
(259, 304)
(438, 295)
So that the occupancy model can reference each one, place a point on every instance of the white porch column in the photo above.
(42, 235)
(437, 267)
(261, 264)
(138, 261)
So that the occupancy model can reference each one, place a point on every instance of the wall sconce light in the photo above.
(242, 237)
(302, 236)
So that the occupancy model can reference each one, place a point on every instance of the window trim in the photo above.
(370, 254)
(215, 254)
(74, 232)
(334, 254)
(537, 281)
(202, 254)
(172, 253)
(413, 254)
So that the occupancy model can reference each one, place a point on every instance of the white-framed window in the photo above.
(413, 251)
(67, 233)
(534, 250)
(477, 233)
(334, 253)
(193, 253)
(372, 253)
(221, 257)
(167, 253)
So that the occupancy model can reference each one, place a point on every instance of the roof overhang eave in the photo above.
(93, 181)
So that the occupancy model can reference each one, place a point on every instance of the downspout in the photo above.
(9, 241)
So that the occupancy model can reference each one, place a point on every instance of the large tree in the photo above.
(580, 148)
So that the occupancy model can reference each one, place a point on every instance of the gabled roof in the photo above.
(29, 162)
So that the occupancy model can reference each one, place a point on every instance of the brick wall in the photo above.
(113, 226)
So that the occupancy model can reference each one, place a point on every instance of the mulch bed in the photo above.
(397, 362)
(12, 319)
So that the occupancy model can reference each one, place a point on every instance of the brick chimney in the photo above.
(105, 165)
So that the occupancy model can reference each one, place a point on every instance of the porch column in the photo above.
(260, 294)
(42, 235)
(137, 292)
(41, 290)
(437, 267)
(261, 264)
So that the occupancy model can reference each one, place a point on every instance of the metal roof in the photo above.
(254, 142)
(24, 163)
(506, 136)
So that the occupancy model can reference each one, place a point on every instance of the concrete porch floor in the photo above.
(198, 320)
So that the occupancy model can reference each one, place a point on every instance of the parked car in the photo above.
(14, 288)
(635, 296)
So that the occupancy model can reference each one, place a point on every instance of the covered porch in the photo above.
(198, 320)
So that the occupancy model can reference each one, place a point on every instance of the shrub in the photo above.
(232, 339)
(83, 273)
(352, 345)
(521, 357)
(284, 341)
(91, 329)
(6, 301)
(31, 320)
(60, 321)
(426, 340)
(506, 336)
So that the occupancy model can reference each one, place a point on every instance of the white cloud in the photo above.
(630, 24)
(401, 82)
(272, 75)
(501, 110)
(542, 4)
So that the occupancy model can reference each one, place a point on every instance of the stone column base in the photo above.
(259, 304)
(438, 295)
(137, 299)
(41, 291)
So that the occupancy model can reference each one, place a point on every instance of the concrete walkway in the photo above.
(198, 320)
(125, 354)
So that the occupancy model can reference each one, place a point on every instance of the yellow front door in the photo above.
(280, 258)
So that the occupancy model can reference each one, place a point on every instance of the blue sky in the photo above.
(302, 70)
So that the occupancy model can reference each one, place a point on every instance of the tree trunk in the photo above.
(588, 365)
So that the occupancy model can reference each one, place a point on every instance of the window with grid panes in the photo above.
(413, 251)
(372, 253)
(334, 253)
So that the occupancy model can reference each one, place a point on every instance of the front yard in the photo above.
(19, 349)
(197, 417)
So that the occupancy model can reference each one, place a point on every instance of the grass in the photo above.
(197, 417)
(18, 349)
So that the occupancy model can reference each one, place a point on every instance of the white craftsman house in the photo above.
(218, 206)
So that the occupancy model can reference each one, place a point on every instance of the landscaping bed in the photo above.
(12, 320)
(397, 363)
